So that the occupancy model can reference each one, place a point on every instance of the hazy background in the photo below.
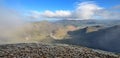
(79, 22)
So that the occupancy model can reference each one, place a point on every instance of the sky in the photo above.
(63, 9)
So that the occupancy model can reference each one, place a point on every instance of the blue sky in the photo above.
(42, 5)
(59, 9)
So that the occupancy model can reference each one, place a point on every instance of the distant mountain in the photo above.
(90, 22)
(105, 38)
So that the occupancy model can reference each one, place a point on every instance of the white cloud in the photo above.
(84, 10)
(34, 14)
(56, 14)
(50, 14)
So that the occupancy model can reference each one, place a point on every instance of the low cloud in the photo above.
(10, 21)
(107, 14)
(116, 7)
(9, 18)
(110, 13)
(84, 10)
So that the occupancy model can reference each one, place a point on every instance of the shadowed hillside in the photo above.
(101, 38)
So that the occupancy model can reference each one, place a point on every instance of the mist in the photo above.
(10, 22)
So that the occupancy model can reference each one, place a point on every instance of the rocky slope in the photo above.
(40, 50)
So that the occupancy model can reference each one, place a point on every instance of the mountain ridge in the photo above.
(104, 38)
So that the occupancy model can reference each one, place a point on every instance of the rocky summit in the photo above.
(40, 50)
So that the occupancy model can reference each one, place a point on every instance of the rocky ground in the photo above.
(40, 50)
